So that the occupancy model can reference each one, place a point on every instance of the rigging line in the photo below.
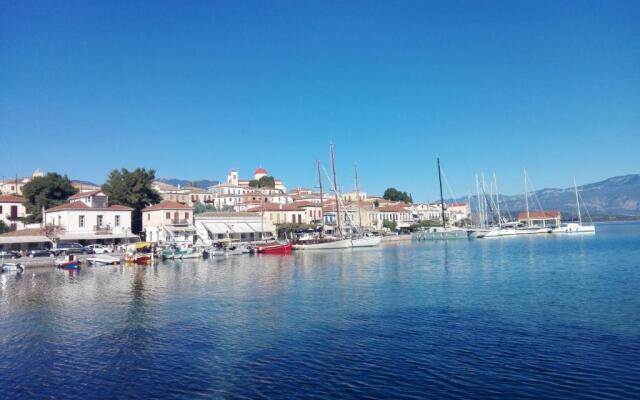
(446, 181)
(339, 199)
(585, 207)
(535, 196)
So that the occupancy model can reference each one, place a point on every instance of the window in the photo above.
(81, 221)
(99, 220)
(0, 209)
(148, 216)
(168, 215)
(117, 222)
(186, 215)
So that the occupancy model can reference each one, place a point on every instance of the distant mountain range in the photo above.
(202, 183)
(614, 197)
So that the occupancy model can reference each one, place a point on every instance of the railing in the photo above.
(179, 222)
(102, 230)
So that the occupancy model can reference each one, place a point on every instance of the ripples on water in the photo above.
(538, 317)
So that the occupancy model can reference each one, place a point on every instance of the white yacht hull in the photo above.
(336, 244)
(495, 233)
(574, 228)
(532, 231)
(366, 241)
(441, 234)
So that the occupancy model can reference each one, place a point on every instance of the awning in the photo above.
(216, 228)
(95, 236)
(180, 228)
(24, 239)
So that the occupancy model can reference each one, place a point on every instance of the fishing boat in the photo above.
(443, 232)
(17, 267)
(573, 227)
(139, 253)
(103, 260)
(275, 248)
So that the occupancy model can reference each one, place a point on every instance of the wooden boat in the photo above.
(325, 245)
(6, 267)
(366, 241)
(275, 248)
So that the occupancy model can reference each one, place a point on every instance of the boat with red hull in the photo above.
(275, 248)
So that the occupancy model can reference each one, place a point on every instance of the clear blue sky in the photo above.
(193, 88)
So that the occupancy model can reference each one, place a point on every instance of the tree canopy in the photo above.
(132, 189)
(393, 194)
(264, 182)
(46, 191)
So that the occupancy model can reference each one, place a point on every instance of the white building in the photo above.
(12, 210)
(88, 218)
(237, 226)
(169, 222)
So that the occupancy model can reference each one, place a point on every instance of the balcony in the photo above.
(102, 229)
(179, 222)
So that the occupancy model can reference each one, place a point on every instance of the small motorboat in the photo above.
(6, 267)
(140, 259)
(275, 248)
(103, 260)
(68, 262)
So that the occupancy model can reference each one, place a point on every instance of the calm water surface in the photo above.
(537, 317)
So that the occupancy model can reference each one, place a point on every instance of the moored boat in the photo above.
(324, 244)
(6, 267)
(103, 260)
(366, 241)
(275, 248)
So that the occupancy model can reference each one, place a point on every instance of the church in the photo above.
(232, 179)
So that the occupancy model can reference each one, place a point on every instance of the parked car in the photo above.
(40, 253)
(71, 248)
(99, 249)
(9, 254)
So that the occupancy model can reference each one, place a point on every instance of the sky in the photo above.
(195, 88)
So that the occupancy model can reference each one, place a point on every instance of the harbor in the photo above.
(461, 308)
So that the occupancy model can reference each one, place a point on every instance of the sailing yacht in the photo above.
(530, 229)
(324, 242)
(501, 229)
(443, 232)
(572, 227)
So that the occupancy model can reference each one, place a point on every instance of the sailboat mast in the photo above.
(358, 195)
(526, 198)
(575, 186)
(441, 198)
(335, 187)
(495, 184)
(321, 200)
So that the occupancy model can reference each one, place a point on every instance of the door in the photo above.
(14, 211)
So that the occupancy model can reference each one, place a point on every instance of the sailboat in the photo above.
(572, 227)
(499, 230)
(443, 232)
(530, 229)
(323, 242)
(362, 240)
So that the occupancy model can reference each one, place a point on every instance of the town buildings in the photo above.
(12, 211)
(168, 221)
(88, 218)
(218, 226)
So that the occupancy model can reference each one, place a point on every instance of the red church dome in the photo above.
(260, 170)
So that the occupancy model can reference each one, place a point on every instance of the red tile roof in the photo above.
(82, 195)
(167, 205)
(304, 203)
(9, 198)
(539, 215)
(274, 207)
(78, 205)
